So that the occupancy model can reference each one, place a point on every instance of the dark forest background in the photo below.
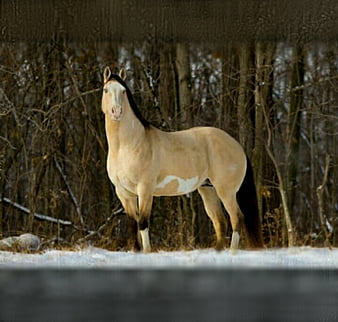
(267, 74)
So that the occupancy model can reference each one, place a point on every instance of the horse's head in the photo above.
(114, 94)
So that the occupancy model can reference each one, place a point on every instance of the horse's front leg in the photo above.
(145, 202)
(129, 203)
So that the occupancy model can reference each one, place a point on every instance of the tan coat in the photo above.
(144, 161)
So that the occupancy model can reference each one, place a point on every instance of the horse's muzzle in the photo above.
(116, 113)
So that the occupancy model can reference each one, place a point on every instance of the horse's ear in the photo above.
(106, 74)
(123, 73)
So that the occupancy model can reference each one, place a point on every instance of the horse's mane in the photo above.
(132, 103)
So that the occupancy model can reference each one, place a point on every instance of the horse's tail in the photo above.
(247, 201)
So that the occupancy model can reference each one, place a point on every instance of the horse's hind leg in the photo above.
(213, 208)
(236, 217)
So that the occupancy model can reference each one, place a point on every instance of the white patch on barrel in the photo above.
(184, 185)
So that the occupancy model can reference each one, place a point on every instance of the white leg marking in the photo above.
(145, 240)
(234, 240)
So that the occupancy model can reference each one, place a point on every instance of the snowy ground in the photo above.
(304, 257)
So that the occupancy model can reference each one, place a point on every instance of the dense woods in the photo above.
(280, 100)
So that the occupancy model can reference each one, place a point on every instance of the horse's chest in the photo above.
(123, 183)
(121, 177)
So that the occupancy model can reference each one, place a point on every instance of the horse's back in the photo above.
(196, 135)
(215, 140)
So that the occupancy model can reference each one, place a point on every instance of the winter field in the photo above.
(302, 257)
(92, 284)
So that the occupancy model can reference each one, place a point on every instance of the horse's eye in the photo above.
(105, 90)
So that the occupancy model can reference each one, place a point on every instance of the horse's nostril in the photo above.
(116, 112)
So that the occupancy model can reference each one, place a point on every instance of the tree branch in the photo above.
(97, 232)
(70, 191)
(36, 215)
(327, 228)
(90, 233)
(281, 185)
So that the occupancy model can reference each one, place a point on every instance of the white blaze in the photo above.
(184, 185)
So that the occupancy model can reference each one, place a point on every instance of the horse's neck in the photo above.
(128, 132)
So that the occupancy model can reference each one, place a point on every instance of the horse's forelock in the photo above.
(114, 77)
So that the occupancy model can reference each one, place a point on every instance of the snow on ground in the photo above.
(302, 257)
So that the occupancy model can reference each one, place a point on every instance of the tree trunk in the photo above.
(185, 120)
(230, 84)
(293, 128)
(167, 86)
(184, 86)
(245, 125)
(263, 92)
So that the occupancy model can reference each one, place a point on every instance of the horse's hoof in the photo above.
(219, 247)
(233, 251)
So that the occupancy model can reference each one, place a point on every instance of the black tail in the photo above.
(247, 201)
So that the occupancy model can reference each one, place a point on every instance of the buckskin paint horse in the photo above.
(144, 162)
